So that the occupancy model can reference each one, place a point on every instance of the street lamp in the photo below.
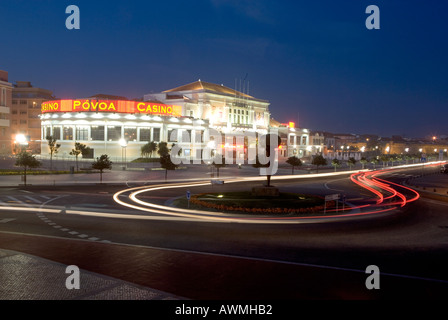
(123, 144)
(22, 141)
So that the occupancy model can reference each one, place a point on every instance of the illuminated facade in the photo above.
(228, 111)
(5, 104)
(102, 124)
(25, 112)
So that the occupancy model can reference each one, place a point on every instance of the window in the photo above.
(145, 134)
(113, 133)
(156, 132)
(130, 134)
(22, 112)
(199, 136)
(14, 112)
(68, 133)
(186, 136)
(82, 133)
(22, 101)
(291, 140)
(22, 121)
(97, 133)
(3, 97)
(57, 133)
(47, 132)
(172, 135)
(304, 141)
(14, 101)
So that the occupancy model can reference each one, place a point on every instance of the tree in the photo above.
(148, 149)
(102, 163)
(364, 161)
(294, 162)
(385, 159)
(219, 162)
(167, 164)
(26, 160)
(319, 160)
(163, 149)
(54, 147)
(336, 164)
(79, 149)
(374, 161)
(351, 162)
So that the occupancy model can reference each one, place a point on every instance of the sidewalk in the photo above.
(434, 184)
(26, 277)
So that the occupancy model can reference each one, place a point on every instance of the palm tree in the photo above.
(364, 161)
(148, 149)
(336, 164)
(54, 147)
(79, 149)
(374, 161)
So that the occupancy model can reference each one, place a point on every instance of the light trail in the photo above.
(387, 198)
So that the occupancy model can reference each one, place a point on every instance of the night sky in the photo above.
(315, 61)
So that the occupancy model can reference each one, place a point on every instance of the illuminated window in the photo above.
(145, 134)
(3, 97)
(186, 136)
(82, 133)
(199, 136)
(156, 133)
(130, 134)
(172, 135)
(68, 133)
(97, 133)
(113, 133)
(57, 133)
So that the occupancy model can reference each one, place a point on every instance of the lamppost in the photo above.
(123, 144)
(22, 141)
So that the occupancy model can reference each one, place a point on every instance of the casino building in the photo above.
(184, 116)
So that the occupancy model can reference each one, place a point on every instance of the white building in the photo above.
(186, 116)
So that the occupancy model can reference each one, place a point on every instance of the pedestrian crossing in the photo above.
(24, 200)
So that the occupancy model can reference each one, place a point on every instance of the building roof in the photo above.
(107, 97)
(207, 86)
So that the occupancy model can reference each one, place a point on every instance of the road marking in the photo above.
(6, 220)
(32, 199)
(18, 201)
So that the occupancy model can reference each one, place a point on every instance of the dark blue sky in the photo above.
(313, 60)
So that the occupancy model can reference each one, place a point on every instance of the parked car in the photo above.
(444, 169)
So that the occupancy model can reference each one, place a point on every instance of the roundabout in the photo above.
(386, 198)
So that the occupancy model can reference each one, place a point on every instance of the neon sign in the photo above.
(111, 106)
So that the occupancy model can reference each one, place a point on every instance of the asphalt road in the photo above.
(207, 260)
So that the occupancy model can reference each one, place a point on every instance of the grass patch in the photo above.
(9, 172)
(245, 202)
(146, 160)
